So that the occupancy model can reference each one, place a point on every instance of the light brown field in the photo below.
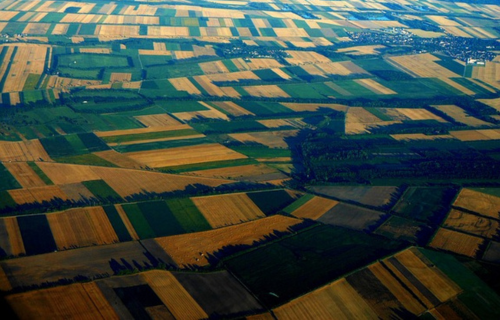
(76, 301)
(76, 191)
(27, 60)
(281, 73)
(115, 133)
(420, 136)
(173, 295)
(211, 113)
(418, 114)
(473, 224)
(185, 249)
(4, 281)
(313, 106)
(67, 173)
(489, 73)
(430, 276)
(476, 135)
(179, 55)
(266, 91)
(157, 120)
(233, 76)
(460, 115)
(60, 82)
(422, 65)
(24, 174)
(209, 87)
(482, 203)
(251, 172)
(120, 77)
(168, 31)
(81, 227)
(394, 286)
(184, 84)
(278, 123)
(314, 208)
(304, 57)
(456, 242)
(60, 29)
(362, 50)
(443, 21)
(232, 108)
(127, 182)
(213, 67)
(117, 30)
(118, 159)
(5, 63)
(494, 103)
(374, 86)
(272, 139)
(343, 68)
(126, 222)
(334, 301)
(11, 240)
(37, 194)
(358, 120)
(185, 155)
(228, 209)
(95, 50)
(263, 63)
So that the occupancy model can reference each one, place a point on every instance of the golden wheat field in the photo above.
(225, 210)
(185, 249)
(314, 208)
(456, 242)
(482, 203)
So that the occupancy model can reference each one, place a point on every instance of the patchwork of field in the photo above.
(272, 139)
(185, 249)
(472, 224)
(412, 285)
(459, 115)
(185, 155)
(482, 203)
(359, 120)
(489, 73)
(31, 150)
(456, 242)
(476, 135)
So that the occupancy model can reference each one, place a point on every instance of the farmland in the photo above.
(250, 159)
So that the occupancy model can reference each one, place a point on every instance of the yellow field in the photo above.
(31, 150)
(141, 130)
(314, 208)
(24, 174)
(443, 21)
(228, 209)
(81, 227)
(423, 65)
(185, 249)
(456, 242)
(178, 301)
(67, 173)
(358, 120)
(394, 286)
(374, 86)
(211, 113)
(304, 57)
(475, 135)
(37, 194)
(185, 155)
(432, 278)
(272, 139)
(157, 120)
(209, 87)
(95, 50)
(232, 108)
(313, 106)
(127, 182)
(233, 76)
(76, 301)
(482, 203)
(184, 84)
(362, 50)
(420, 136)
(338, 300)
(120, 77)
(76, 191)
(489, 73)
(11, 240)
(277, 123)
(118, 159)
(266, 91)
(213, 67)
(494, 103)
(416, 114)
(473, 224)
(461, 116)
(29, 59)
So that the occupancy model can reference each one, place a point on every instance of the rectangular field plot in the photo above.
(482, 203)
(350, 216)
(227, 210)
(185, 155)
(372, 196)
(401, 228)
(472, 224)
(456, 242)
(11, 241)
(313, 207)
(185, 249)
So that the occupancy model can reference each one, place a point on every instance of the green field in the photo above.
(188, 215)
(102, 190)
(7, 180)
(270, 202)
(150, 136)
(298, 264)
(117, 223)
